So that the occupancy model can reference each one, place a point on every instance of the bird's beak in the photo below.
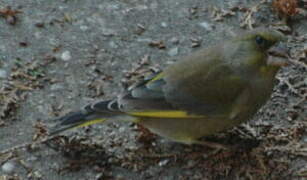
(278, 55)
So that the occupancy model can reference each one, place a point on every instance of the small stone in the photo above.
(84, 28)
(55, 87)
(207, 26)
(173, 51)
(8, 167)
(163, 162)
(99, 176)
(66, 56)
(3, 74)
(37, 35)
(122, 129)
(113, 44)
(174, 40)
(40, 108)
(37, 174)
(53, 41)
(164, 24)
(32, 158)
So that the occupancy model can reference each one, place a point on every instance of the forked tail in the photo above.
(90, 114)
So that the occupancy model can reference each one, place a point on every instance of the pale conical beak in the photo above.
(278, 55)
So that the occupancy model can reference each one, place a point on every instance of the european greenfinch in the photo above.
(206, 92)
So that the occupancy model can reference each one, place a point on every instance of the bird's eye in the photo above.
(260, 40)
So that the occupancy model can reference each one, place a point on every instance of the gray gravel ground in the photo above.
(62, 54)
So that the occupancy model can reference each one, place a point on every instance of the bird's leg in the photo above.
(212, 145)
(217, 147)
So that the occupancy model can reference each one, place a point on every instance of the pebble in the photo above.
(54, 41)
(66, 56)
(163, 162)
(38, 35)
(55, 87)
(175, 40)
(84, 28)
(113, 44)
(99, 176)
(121, 129)
(3, 74)
(8, 167)
(164, 24)
(32, 158)
(37, 175)
(206, 25)
(173, 51)
(40, 108)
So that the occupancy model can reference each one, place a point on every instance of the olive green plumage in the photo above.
(206, 92)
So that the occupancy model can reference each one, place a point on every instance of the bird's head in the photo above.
(265, 50)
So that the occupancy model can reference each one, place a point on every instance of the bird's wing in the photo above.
(155, 97)
(146, 98)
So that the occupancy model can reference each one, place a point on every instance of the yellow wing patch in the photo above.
(87, 123)
(157, 77)
(165, 114)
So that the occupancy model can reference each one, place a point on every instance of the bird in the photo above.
(204, 93)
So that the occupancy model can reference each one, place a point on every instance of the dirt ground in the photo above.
(57, 56)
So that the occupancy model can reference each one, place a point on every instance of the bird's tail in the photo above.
(90, 114)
